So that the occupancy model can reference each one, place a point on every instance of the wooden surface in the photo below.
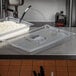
(26, 67)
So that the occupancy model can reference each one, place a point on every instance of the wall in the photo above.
(42, 10)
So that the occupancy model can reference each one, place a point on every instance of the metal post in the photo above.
(71, 7)
(1, 9)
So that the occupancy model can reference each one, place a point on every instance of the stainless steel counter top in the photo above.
(67, 48)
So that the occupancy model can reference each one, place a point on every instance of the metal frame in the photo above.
(71, 11)
(1, 9)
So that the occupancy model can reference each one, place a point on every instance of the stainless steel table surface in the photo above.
(67, 48)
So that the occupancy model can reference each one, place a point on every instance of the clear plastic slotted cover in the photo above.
(45, 37)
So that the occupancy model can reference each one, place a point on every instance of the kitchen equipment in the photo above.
(24, 13)
(41, 38)
(1, 10)
(16, 2)
(6, 31)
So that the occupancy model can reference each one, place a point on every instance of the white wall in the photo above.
(42, 10)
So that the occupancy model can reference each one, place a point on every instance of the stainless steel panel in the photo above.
(15, 2)
(1, 11)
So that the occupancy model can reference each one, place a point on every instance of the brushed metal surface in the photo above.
(15, 2)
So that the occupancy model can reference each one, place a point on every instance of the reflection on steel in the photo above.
(71, 6)
(1, 11)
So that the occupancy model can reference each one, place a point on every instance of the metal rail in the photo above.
(1, 11)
